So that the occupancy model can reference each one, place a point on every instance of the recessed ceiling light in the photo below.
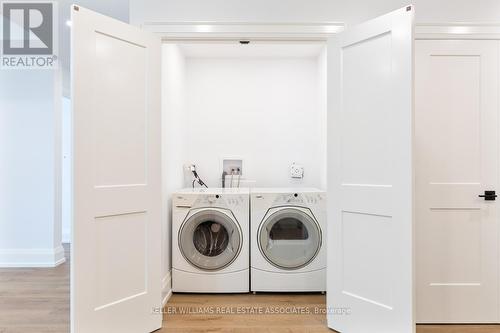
(69, 23)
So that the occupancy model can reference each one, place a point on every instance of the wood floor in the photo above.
(307, 315)
(36, 300)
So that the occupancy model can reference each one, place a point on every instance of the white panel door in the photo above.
(456, 128)
(116, 251)
(370, 246)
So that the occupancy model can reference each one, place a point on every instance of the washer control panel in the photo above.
(209, 200)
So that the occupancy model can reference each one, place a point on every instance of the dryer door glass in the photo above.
(210, 239)
(290, 238)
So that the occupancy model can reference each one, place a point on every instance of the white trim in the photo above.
(57, 157)
(166, 288)
(66, 236)
(457, 30)
(239, 30)
(32, 257)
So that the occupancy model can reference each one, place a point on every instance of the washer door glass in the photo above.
(289, 238)
(210, 239)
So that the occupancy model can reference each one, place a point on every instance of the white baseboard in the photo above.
(32, 257)
(166, 288)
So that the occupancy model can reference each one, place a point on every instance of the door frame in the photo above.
(191, 31)
(457, 30)
(272, 31)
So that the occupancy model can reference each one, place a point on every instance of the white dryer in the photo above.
(210, 241)
(288, 230)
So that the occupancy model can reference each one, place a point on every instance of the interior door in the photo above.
(456, 130)
(370, 245)
(115, 262)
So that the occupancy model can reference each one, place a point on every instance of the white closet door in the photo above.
(370, 245)
(456, 126)
(115, 263)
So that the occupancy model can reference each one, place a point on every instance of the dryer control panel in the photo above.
(299, 198)
(315, 198)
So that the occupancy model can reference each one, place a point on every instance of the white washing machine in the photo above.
(210, 241)
(287, 230)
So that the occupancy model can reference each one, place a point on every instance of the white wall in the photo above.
(348, 11)
(322, 113)
(30, 220)
(264, 110)
(30, 153)
(174, 121)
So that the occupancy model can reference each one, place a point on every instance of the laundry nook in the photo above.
(250, 166)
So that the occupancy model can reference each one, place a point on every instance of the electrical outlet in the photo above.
(296, 171)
